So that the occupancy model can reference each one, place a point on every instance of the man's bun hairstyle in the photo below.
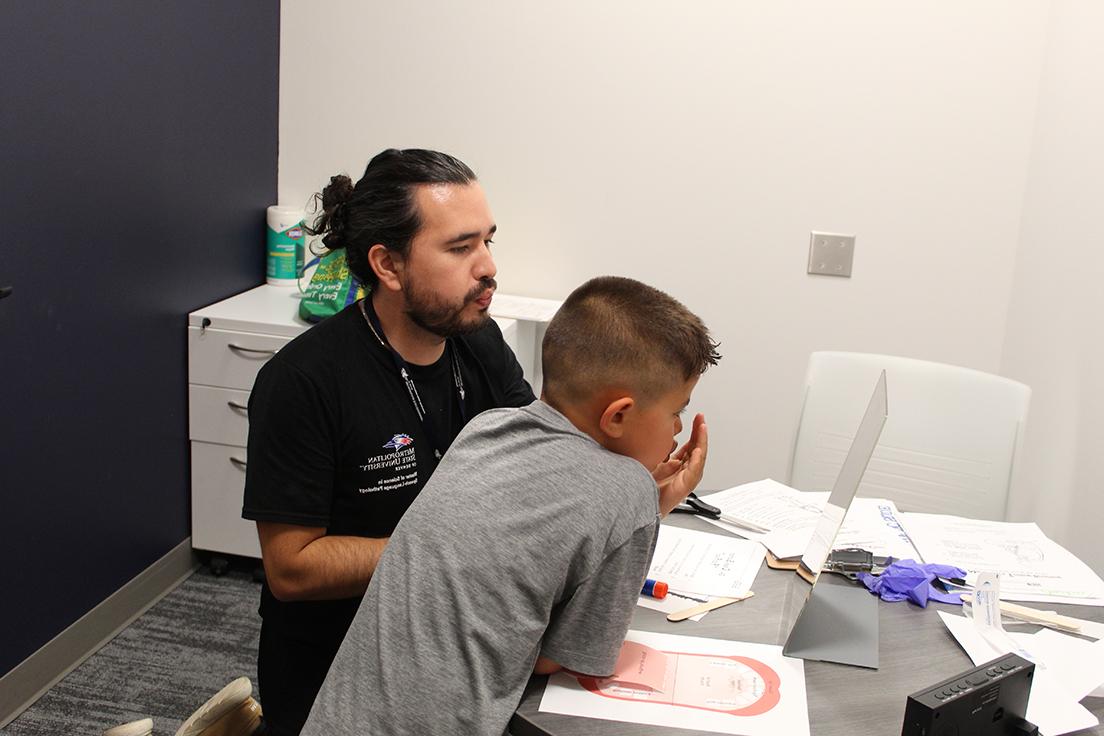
(333, 218)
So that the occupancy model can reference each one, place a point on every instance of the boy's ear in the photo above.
(612, 422)
(386, 266)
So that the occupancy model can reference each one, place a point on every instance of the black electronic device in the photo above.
(989, 700)
(851, 561)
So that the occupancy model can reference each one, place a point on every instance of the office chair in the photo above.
(949, 445)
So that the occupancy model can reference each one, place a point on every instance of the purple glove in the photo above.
(909, 580)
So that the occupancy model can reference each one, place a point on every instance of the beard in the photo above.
(444, 318)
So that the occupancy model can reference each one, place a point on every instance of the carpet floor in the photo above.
(163, 666)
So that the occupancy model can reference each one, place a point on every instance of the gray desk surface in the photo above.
(916, 650)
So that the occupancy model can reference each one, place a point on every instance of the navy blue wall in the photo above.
(138, 152)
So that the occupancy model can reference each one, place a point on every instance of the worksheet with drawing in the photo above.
(691, 682)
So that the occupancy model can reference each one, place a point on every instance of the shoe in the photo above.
(143, 727)
(231, 711)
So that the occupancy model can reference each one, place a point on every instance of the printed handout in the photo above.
(691, 682)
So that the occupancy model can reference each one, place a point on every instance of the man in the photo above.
(348, 421)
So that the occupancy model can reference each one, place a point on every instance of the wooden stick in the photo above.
(707, 606)
(1034, 615)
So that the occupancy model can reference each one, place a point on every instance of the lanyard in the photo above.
(402, 366)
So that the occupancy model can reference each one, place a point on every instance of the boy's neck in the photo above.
(416, 345)
(584, 417)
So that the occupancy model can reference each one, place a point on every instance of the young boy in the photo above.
(527, 548)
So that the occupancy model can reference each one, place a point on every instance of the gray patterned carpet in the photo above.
(163, 666)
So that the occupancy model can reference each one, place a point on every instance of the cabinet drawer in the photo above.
(229, 359)
(218, 415)
(218, 483)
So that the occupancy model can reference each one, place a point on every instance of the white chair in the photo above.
(949, 445)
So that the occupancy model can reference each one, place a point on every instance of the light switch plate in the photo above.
(831, 254)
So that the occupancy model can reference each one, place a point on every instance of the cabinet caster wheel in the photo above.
(219, 566)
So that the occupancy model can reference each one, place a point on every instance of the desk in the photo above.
(916, 650)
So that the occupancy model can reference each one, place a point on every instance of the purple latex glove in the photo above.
(910, 580)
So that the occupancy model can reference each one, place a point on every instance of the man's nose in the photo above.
(485, 266)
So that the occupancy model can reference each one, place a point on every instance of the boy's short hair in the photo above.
(615, 332)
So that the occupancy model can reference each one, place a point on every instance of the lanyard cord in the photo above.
(402, 366)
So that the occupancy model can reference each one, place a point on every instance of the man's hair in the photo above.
(614, 332)
(381, 208)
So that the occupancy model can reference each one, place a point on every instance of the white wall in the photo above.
(694, 147)
(1055, 337)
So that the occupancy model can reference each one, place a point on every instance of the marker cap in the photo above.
(654, 588)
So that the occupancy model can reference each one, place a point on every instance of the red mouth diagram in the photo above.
(739, 686)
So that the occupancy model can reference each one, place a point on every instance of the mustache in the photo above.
(484, 283)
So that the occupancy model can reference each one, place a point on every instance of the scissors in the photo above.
(694, 505)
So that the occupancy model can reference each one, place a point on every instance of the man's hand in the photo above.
(682, 471)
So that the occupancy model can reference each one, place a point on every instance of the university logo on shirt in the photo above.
(399, 441)
(390, 471)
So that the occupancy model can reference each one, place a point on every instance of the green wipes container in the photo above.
(285, 245)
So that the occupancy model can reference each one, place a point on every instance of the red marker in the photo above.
(654, 589)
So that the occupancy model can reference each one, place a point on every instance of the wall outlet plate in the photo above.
(831, 254)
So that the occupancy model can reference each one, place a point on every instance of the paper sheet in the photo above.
(824, 537)
(769, 504)
(791, 516)
(1093, 629)
(709, 685)
(1051, 707)
(1077, 663)
(711, 565)
(1032, 567)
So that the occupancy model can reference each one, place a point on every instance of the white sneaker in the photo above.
(231, 711)
(143, 727)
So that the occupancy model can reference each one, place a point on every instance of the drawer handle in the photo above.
(237, 462)
(258, 351)
(236, 405)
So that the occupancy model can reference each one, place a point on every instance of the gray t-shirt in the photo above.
(530, 538)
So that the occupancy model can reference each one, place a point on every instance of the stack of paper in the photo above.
(1067, 669)
(1032, 567)
(783, 519)
(698, 566)
(707, 564)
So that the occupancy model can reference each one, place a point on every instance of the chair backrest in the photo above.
(949, 445)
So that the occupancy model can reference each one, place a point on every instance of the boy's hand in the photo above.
(682, 472)
(546, 666)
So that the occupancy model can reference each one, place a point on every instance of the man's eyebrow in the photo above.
(468, 236)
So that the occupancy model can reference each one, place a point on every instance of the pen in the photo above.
(654, 589)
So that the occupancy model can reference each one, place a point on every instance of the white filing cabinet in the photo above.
(228, 342)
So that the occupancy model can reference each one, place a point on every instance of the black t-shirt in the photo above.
(335, 442)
